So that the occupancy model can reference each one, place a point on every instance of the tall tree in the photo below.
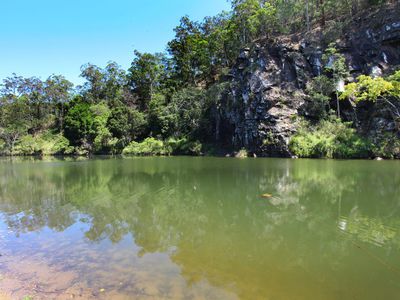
(58, 92)
(145, 75)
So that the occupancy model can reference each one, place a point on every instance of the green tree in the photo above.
(190, 53)
(126, 124)
(320, 91)
(14, 121)
(376, 89)
(58, 92)
(335, 65)
(185, 111)
(103, 84)
(145, 75)
(79, 122)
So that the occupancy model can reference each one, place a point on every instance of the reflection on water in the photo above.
(198, 228)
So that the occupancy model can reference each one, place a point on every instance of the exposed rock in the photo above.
(268, 83)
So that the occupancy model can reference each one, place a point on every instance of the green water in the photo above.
(198, 228)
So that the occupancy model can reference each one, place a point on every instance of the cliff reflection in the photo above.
(208, 216)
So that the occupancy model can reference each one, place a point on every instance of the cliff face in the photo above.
(269, 80)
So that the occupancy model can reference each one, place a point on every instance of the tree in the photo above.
(145, 75)
(58, 92)
(376, 89)
(14, 121)
(263, 22)
(103, 84)
(320, 91)
(79, 123)
(190, 53)
(185, 111)
(335, 65)
(86, 126)
(125, 123)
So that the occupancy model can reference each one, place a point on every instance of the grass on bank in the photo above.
(333, 138)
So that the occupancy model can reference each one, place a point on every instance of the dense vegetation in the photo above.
(329, 136)
(164, 103)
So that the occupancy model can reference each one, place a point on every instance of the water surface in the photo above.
(198, 228)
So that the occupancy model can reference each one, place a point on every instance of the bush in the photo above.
(43, 144)
(329, 139)
(56, 144)
(3, 147)
(242, 153)
(27, 145)
(149, 146)
(319, 90)
(183, 146)
(184, 112)
(388, 146)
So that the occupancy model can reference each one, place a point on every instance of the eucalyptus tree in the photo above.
(145, 75)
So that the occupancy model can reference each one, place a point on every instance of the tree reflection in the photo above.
(209, 216)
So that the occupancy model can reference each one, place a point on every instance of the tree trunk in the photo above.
(307, 15)
(354, 7)
(322, 7)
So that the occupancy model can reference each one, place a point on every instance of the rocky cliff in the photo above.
(267, 86)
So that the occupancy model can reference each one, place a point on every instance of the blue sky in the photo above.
(44, 37)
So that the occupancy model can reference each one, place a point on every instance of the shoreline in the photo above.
(93, 156)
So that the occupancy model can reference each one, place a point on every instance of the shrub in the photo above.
(56, 144)
(242, 153)
(184, 112)
(388, 146)
(27, 145)
(2, 146)
(149, 146)
(329, 139)
(43, 144)
(183, 146)
(320, 90)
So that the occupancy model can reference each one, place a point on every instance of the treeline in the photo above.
(167, 100)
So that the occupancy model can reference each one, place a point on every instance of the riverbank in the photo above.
(235, 155)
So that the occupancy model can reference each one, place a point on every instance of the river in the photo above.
(199, 228)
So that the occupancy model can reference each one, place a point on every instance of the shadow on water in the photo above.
(198, 228)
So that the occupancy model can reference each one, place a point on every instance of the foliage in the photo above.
(376, 89)
(184, 112)
(335, 63)
(387, 146)
(184, 146)
(14, 122)
(158, 121)
(175, 96)
(368, 88)
(189, 50)
(43, 144)
(329, 139)
(149, 146)
(320, 90)
(126, 123)
(102, 84)
(79, 121)
(145, 76)
(254, 19)
(152, 146)
(242, 153)
(86, 127)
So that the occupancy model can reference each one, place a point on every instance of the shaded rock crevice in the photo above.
(268, 83)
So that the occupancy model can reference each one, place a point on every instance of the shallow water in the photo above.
(199, 228)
